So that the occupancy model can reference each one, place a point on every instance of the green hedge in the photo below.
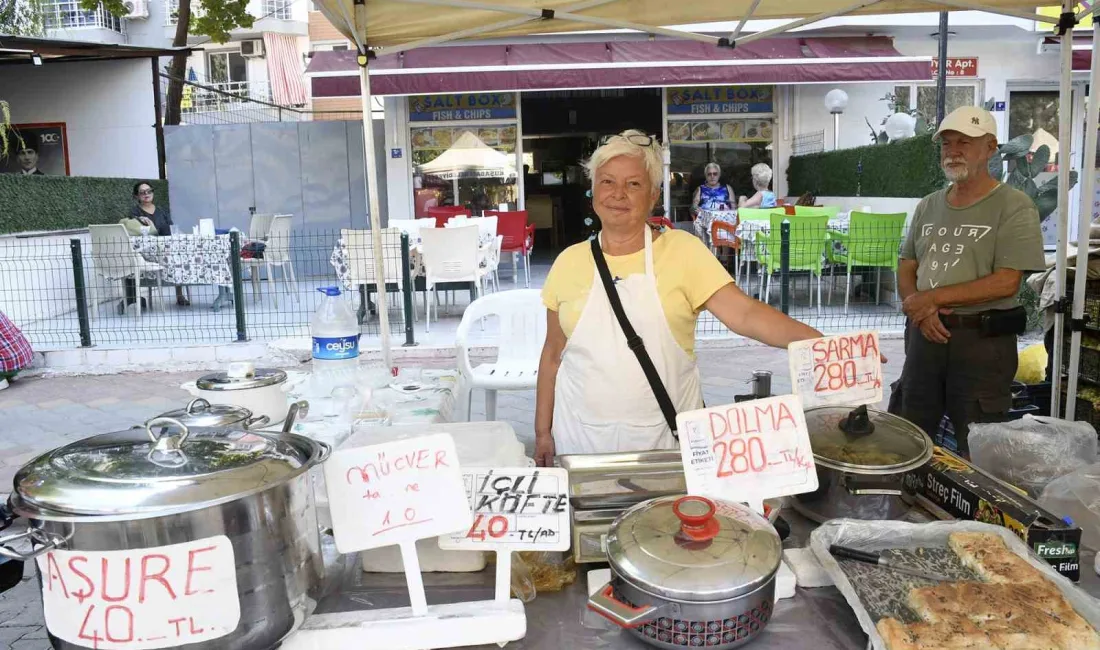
(33, 203)
(906, 169)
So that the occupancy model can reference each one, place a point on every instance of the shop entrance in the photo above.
(560, 129)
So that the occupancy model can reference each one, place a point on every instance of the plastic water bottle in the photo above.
(335, 333)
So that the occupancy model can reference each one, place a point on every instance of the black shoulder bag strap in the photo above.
(633, 341)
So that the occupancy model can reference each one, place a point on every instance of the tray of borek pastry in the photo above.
(952, 586)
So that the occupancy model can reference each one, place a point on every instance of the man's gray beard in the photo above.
(956, 174)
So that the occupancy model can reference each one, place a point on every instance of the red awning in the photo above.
(617, 64)
(1082, 60)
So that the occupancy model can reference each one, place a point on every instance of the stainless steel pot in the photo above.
(861, 457)
(167, 484)
(201, 413)
(690, 572)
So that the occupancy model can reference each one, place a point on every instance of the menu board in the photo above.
(685, 132)
(437, 138)
(515, 509)
(720, 100)
(462, 106)
(843, 370)
(747, 451)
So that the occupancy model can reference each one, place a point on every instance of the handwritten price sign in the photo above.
(747, 451)
(518, 509)
(162, 597)
(396, 492)
(841, 370)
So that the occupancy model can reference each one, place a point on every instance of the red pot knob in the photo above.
(696, 515)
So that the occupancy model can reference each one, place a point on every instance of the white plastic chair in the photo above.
(492, 263)
(115, 260)
(522, 334)
(276, 255)
(409, 226)
(359, 253)
(450, 255)
(259, 225)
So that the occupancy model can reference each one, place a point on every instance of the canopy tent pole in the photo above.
(941, 78)
(805, 21)
(1085, 13)
(744, 20)
(1065, 163)
(1084, 219)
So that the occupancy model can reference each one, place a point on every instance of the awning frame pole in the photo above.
(375, 211)
(974, 6)
(1085, 13)
(485, 29)
(565, 15)
(744, 20)
(806, 21)
(1084, 220)
(1065, 163)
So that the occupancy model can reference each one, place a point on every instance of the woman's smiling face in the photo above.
(623, 193)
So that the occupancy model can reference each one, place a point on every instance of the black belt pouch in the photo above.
(1003, 322)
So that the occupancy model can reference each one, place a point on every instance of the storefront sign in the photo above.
(396, 492)
(515, 509)
(720, 100)
(837, 370)
(470, 106)
(159, 597)
(682, 132)
(957, 67)
(747, 451)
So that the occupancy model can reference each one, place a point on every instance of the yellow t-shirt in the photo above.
(687, 276)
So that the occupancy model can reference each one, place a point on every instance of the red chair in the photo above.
(723, 235)
(518, 239)
(661, 222)
(443, 213)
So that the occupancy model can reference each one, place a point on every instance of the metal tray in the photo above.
(875, 592)
(598, 481)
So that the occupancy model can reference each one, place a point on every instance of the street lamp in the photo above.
(836, 100)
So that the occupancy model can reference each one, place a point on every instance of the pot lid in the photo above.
(693, 549)
(160, 469)
(230, 380)
(866, 441)
(201, 413)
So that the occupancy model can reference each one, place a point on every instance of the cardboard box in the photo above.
(952, 488)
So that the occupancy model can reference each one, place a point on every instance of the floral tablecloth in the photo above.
(339, 259)
(187, 259)
(705, 218)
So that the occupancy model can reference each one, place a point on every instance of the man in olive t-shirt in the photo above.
(962, 262)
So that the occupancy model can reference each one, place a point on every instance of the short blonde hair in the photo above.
(716, 166)
(761, 176)
(622, 145)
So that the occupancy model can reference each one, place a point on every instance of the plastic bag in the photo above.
(1033, 364)
(1031, 452)
(1077, 496)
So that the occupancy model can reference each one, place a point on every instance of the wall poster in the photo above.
(37, 149)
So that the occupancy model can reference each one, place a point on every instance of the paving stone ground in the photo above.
(40, 414)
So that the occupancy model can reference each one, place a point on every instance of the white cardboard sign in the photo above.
(749, 451)
(515, 509)
(843, 370)
(141, 599)
(396, 492)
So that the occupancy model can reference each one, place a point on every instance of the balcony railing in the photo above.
(277, 9)
(172, 11)
(224, 96)
(68, 14)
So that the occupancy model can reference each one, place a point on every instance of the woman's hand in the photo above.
(544, 450)
(146, 221)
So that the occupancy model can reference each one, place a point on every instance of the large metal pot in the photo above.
(146, 489)
(861, 457)
(690, 572)
(201, 413)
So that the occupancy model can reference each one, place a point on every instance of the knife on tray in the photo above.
(877, 559)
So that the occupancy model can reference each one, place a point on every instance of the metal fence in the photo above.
(807, 143)
(826, 275)
(80, 289)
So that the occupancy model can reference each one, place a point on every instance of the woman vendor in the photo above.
(593, 396)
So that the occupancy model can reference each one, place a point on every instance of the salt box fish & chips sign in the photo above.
(515, 508)
(747, 451)
(720, 100)
(843, 370)
(141, 599)
(464, 106)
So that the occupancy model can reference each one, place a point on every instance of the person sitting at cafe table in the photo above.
(592, 394)
(147, 218)
(961, 264)
(761, 181)
(712, 195)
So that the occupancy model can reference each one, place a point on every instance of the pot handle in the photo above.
(604, 603)
(12, 554)
(857, 487)
(326, 450)
(257, 422)
(191, 387)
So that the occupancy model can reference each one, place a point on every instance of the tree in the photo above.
(215, 20)
(21, 17)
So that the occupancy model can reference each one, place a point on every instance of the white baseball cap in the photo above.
(973, 121)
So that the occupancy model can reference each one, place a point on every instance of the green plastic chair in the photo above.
(757, 214)
(815, 211)
(807, 249)
(873, 240)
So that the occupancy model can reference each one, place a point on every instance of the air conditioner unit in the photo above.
(136, 9)
(252, 48)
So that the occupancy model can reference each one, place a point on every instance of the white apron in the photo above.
(602, 401)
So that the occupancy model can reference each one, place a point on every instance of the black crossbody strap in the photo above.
(633, 341)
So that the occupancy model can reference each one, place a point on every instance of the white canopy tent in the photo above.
(393, 26)
(469, 157)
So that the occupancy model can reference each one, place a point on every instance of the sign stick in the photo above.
(411, 560)
(504, 575)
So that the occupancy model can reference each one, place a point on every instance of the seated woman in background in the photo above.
(148, 219)
(712, 195)
(761, 180)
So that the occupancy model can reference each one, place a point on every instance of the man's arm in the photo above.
(1002, 283)
(907, 278)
